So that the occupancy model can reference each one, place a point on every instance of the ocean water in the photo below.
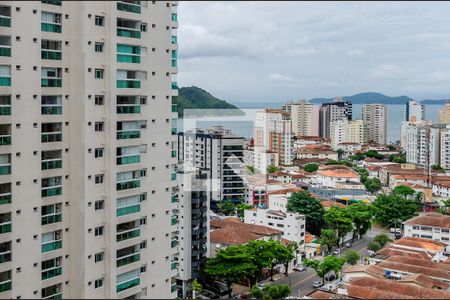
(243, 126)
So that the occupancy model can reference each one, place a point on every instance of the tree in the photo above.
(341, 162)
(403, 190)
(196, 288)
(270, 292)
(231, 265)
(263, 255)
(330, 263)
(287, 254)
(372, 185)
(363, 173)
(374, 154)
(272, 169)
(420, 196)
(437, 168)
(361, 215)
(352, 257)
(303, 203)
(240, 209)
(226, 207)
(311, 167)
(328, 239)
(338, 219)
(358, 156)
(382, 239)
(399, 160)
(373, 246)
(250, 169)
(340, 152)
(392, 209)
(445, 207)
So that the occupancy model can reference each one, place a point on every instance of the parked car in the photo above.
(330, 277)
(348, 245)
(317, 284)
(336, 251)
(261, 285)
(299, 268)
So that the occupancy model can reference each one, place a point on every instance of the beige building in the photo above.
(305, 118)
(444, 114)
(85, 141)
(374, 116)
(345, 131)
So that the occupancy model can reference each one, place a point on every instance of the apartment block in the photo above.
(331, 112)
(305, 118)
(432, 226)
(220, 152)
(444, 114)
(375, 116)
(414, 111)
(86, 146)
(422, 143)
(345, 131)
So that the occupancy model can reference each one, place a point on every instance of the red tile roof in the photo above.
(424, 281)
(329, 203)
(420, 243)
(419, 262)
(436, 273)
(430, 219)
(391, 251)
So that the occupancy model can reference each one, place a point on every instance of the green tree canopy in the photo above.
(437, 168)
(392, 209)
(250, 169)
(330, 263)
(270, 292)
(373, 246)
(351, 257)
(272, 169)
(399, 160)
(374, 154)
(403, 190)
(226, 207)
(363, 173)
(341, 162)
(382, 239)
(358, 156)
(372, 185)
(338, 219)
(328, 239)
(287, 254)
(311, 167)
(240, 209)
(263, 254)
(302, 202)
(361, 215)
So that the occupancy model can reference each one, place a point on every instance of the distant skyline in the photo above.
(278, 51)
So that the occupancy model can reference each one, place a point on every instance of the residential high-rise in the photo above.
(305, 118)
(422, 143)
(445, 147)
(345, 131)
(444, 114)
(273, 133)
(222, 153)
(330, 112)
(86, 177)
(374, 116)
(414, 111)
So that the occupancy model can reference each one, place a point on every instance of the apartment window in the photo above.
(99, 21)
(98, 283)
(99, 152)
(99, 73)
(99, 126)
(99, 47)
(99, 100)
(144, 27)
(98, 178)
(99, 230)
(99, 256)
(99, 204)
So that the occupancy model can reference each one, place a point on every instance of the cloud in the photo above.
(440, 75)
(274, 77)
(387, 71)
(356, 52)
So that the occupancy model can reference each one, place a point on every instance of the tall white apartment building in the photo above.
(273, 133)
(414, 111)
(345, 131)
(330, 112)
(86, 176)
(305, 118)
(445, 147)
(422, 140)
(374, 116)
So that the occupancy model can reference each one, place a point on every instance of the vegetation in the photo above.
(327, 240)
(372, 185)
(403, 190)
(240, 209)
(358, 156)
(227, 207)
(392, 209)
(330, 263)
(351, 257)
(196, 288)
(302, 202)
(340, 162)
(363, 173)
(374, 154)
(398, 158)
(287, 255)
(250, 169)
(382, 239)
(361, 215)
(340, 152)
(338, 219)
(311, 167)
(272, 169)
(270, 292)
(373, 246)
(445, 208)
(437, 168)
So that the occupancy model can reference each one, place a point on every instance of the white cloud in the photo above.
(356, 52)
(440, 75)
(274, 77)
(387, 71)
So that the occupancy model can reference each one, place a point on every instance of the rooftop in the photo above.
(420, 243)
(341, 173)
(407, 268)
(430, 219)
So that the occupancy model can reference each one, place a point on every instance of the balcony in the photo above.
(129, 6)
(174, 86)
(50, 273)
(5, 286)
(5, 169)
(52, 2)
(174, 108)
(51, 82)
(174, 17)
(5, 256)
(131, 184)
(49, 27)
(174, 220)
(122, 211)
(50, 246)
(128, 109)
(5, 80)
(173, 265)
(174, 198)
(128, 84)
(51, 164)
(127, 284)
(126, 160)
(57, 296)
(5, 16)
(125, 260)
(128, 234)
(51, 191)
(128, 134)
(5, 140)
(50, 219)
(174, 130)
(128, 53)
(5, 227)
(173, 243)
(173, 153)
(174, 39)
(5, 107)
(51, 54)
(173, 176)
(5, 50)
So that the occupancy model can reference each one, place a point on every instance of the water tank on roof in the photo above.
(387, 273)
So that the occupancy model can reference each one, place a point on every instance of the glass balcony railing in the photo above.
(173, 288)
(51, 191)
(5, 21)
(173, 176)
(49, 27)
(133, 59)
(124, 32)
(5, 198)
(51, 54)
(174, 39)
(51, 164)
(129, 134)
(129, 109)
(5, 51)
(173, 153)
(51, 137)
(5, 140)
(51, 110)
(174, 17)
(52, 2)
(5, 286)
(174, 221)
(174, 107)
(129, 7)
(47, 274)
(127, 285)
(5, 169)
(128, 84)
(122, 211)
(173, 266)
(128, 259)
(129, 234)
(174, 198)
(126, 160)
(48, 82)
(50, 246)
(128, 184)
(50, 219)
(5, 227)
(173, 243)
(5, 110)
(174, 130)
(174, 86)
(5, 256)
(5, 81)
(57, 296)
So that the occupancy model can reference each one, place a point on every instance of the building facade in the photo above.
(422, 144)
(345, 131)
(305, 118)
(330, 112)
(86, 93)
(414, 111)
(374, 116)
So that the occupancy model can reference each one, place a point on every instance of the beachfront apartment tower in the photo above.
(414, 111)
(305, 118)
(330, 112)
(87, 168)
(374, 116)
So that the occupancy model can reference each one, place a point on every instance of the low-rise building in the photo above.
(316, 151)
(337, 177)
(433, 226)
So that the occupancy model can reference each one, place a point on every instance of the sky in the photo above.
(278, 51)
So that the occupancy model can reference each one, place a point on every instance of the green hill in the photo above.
(364, 98)
(196, 98)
